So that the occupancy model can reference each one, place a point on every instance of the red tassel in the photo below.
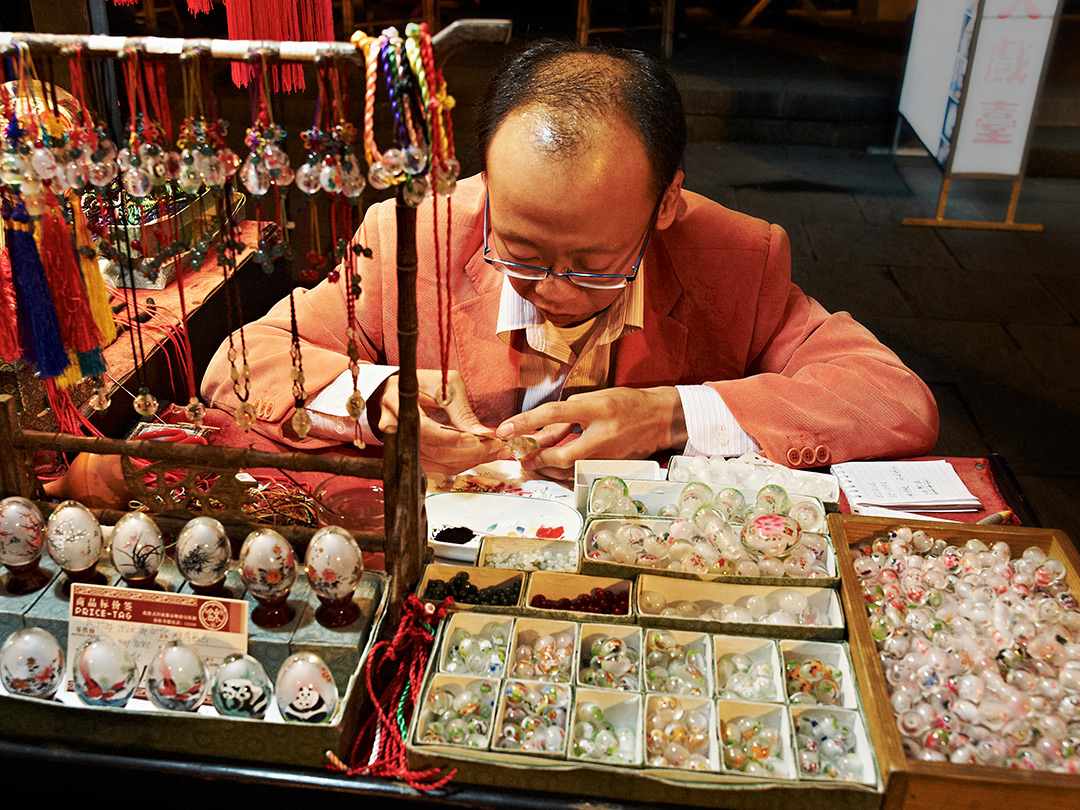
(195, 7)
(10, 350)
(238, 16)
(77, 327)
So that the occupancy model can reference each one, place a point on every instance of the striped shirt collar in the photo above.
(625, 316)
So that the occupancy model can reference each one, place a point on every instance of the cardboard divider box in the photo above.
(554, 702)
(915, 784)
(493, 551)
(805, 481)
(480, 577)
(850, 719)
(473, 624)
(833, 655)
(764, 661)
(473, 728)
(528, 631)
(781, 761)
(710, 596)
(623, 711)
(684, 705)
(555, 586)
(697, 652)
(593, 636)
(588, 470)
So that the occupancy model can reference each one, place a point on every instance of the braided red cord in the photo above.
(379, 749)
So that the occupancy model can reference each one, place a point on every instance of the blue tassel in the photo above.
(92, 363)
(38, 325)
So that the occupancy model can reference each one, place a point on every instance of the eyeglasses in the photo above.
(596, 281)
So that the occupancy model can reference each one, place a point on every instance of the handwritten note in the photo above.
(921, 486)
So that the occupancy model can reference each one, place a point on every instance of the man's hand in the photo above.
(445, 448)
(615, 423)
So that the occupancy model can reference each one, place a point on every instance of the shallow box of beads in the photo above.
(755, 739)
(832, 745)
(610, 657)
(990, 616)
(475, 644)
(759, 610)
(457, 711)
(684, 548)
(488, 590)
(606, 728)
(747, 668)
(751, 472)
(677, 663)
(818, 672)
(614, 496)
(575, 596)
(529, 554)
(544, 650)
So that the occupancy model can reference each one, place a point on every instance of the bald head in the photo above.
(575, 95)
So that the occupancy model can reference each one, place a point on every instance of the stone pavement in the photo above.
(987, 318)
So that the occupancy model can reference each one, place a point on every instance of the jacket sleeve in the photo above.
(820, 388)
(322, 323)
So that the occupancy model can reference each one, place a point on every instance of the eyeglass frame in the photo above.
(567, 273)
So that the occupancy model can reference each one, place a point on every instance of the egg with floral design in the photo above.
(333, 563)
(73, 537)
(203, 552)
(774, 535)
(305, 689)
(177, 679)
(22, 531)
(104, 673)
(267, 564)
(137, 546)
(32, 663)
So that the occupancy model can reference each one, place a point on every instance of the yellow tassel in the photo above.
(72, 374)
(96, 291)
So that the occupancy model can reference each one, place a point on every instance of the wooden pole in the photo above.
(405, 546)
(14, 472)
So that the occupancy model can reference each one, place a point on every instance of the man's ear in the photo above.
(669, 204)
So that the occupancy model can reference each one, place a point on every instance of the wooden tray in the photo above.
(914, 784)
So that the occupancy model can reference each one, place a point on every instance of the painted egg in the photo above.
(73, 537)
(177, 679)
(203, 552)
(267, 564)
(104, 673)
(32, 663)
(774, 535)
(137, 547)
(333, 563)
(305, 689)
(22, 531)
(242, 688)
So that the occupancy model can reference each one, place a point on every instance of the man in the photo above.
(595, 304)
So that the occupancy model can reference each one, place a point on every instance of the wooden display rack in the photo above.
(404, 537)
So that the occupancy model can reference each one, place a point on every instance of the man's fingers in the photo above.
(541, 416)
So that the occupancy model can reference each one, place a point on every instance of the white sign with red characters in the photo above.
(1002, 84)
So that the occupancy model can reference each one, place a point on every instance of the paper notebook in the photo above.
(919, 486)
